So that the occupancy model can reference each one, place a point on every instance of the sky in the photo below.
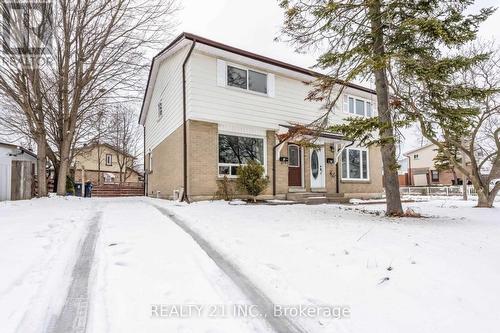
(253, 26)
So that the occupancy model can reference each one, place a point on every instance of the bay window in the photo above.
(355, 164)
(235, 151)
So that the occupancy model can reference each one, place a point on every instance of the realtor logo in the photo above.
(27, 27)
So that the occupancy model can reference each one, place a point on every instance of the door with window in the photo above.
(317, 161)
(294, 165)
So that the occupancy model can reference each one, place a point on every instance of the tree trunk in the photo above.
(484, 200)
(63, 168)
(388, 147)
(41, 165)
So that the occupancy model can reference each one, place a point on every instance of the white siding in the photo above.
(168, 90)
(208, 101)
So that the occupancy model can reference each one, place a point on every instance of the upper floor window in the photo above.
(109, 159)
(435, 175)
(360, 107)
(246, 79)
(238, 150)
(355, 164)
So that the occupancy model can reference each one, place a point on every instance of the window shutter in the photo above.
(221, 73)
(346, 104)
(270, 85)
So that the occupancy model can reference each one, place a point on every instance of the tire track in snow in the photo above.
(280, 324)
(74, 314)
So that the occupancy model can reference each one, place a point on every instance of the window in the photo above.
(359, 107)
(293, 156)
(109, 178)
(246, 79)
(435, 175)
(355, 164)
(109, 159)
(238, 150)
(415, 156)
(160, 110)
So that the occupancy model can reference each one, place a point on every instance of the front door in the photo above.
(317, 168)
(294, 165)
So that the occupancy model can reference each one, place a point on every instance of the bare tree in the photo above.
(24, 41)
(99, 52)
(98, 56)
(124, 134)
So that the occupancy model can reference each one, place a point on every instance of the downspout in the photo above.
(146, 172)
(185, 196)
(274, 166)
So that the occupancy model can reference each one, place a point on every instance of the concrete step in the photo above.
(335, 195)
(315, 200)
(298, 196)
(341, 200)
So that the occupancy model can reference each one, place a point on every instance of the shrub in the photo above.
(70, 186)
(251, 179)
(224, 190)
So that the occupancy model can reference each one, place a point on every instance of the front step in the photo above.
(301, 196)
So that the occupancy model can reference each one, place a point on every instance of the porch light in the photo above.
(283, 159)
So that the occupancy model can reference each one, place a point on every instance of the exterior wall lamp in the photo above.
(283, 159)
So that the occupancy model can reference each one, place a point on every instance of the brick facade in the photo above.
(167, 169)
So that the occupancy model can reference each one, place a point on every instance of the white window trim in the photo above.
(361, 165)
(234, 164)
(366, 100)
(248, 80)
(106, 160)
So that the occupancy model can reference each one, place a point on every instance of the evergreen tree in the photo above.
(444, 163)
(384, 40)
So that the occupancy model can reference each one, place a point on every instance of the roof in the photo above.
(325, 135)
(94, 144)
(24, 150)
(248, 54)
(418, 149)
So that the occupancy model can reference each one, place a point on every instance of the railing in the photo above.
(447, 191)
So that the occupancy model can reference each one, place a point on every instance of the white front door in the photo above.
(317, 160)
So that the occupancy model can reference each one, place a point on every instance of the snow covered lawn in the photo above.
(39, 240)
(437, 274)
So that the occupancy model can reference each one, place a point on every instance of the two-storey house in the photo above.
(209, 108)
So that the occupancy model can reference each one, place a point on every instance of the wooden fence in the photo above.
(22, 180)
(118, 190)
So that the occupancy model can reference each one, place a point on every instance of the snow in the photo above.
(145, 260)
(38, 243)
(439, 273)
(435, 274)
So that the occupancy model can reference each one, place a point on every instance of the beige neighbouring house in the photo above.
(423, 172)
(210, 107)
(100, 164)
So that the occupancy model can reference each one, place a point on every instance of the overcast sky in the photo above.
(253, 25)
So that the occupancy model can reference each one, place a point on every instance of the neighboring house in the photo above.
(403, 172)
(235, 103)
(104, 164)
(17, 172)
(422, 171)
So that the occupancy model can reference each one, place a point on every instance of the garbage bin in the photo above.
(78, 189)
(88, 189)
